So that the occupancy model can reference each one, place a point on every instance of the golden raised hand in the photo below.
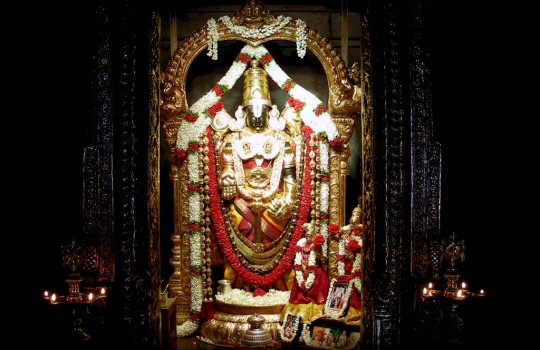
(228, 185)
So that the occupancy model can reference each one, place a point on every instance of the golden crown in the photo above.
(256, 91)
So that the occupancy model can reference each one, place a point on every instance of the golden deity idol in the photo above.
(258, 174)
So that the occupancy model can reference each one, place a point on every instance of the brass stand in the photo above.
(73, 282)
(451, 285)
(440, 315)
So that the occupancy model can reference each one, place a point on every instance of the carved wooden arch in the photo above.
(344, 105)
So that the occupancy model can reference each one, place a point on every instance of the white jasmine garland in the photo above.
(193, 164)
(190, 326)
(236, 71)
(305, 96)
(255, 33)
(323, 231)
(196, 292)
(241, 297)
(194, 203)
(195, 254)
(303, 282)
(212, 35)
(301, 43)
(186, 328)
(323, 157)
(212, 39)
(341, 264)
(320, 123)
(324, 190)
(255, 51)
(325, 193)
(191, 131)
(324, 203)
(276, 73)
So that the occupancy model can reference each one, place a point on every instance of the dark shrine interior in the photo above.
(477, 202)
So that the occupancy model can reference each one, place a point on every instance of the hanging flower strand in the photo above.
(301, 41)
(212, 35)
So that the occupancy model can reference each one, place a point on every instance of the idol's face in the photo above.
(257, 117)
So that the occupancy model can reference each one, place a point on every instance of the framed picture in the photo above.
(290, 327)
(337, 300)
(318, 335)
(331, 338)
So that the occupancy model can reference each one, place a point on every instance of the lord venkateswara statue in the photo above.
(260, 190)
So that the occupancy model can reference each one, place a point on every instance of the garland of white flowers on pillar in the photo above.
(193, 134)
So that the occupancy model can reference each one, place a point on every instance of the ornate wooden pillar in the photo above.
(407, 165)
(121, 166)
